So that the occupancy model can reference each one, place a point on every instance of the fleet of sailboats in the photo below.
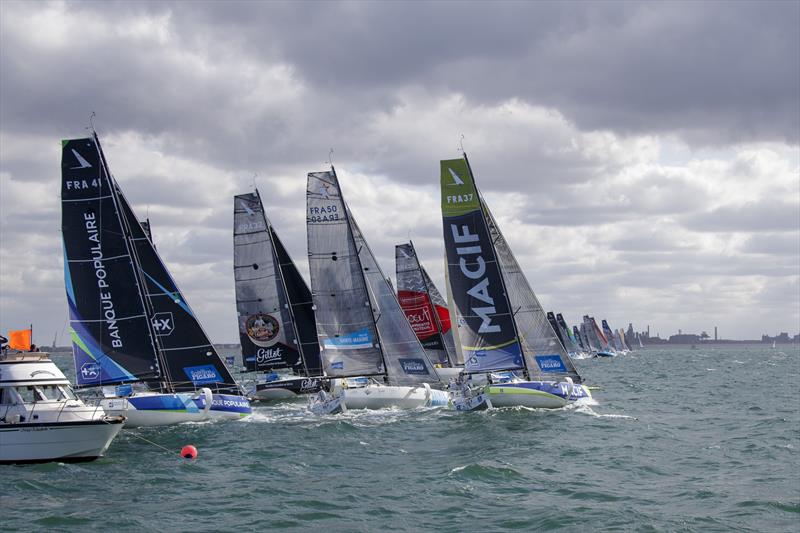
(348, 342)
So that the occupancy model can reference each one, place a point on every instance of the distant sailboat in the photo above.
(426, 311)
(361, 328)
(131, 326)
(277, 329)
(504, 333)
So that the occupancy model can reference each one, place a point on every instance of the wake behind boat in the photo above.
(502, 325)
(133, 332)
(361, 328)
(42, 420)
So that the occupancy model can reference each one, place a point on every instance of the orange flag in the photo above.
(20, 339)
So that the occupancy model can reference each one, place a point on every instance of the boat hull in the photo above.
(537, 395)
(381, 397)
(154, 409)
(57, 441)
(286, 389)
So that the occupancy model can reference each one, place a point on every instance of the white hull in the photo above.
(383, 396)
(520, 395)
(154, 409)
(67, 441)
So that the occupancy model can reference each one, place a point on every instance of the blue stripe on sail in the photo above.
(505, 358)
(68, 276)
(176, 296)
(92, 366)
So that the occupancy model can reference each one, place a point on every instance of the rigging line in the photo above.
(150, 442)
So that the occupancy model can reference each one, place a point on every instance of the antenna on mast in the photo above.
(91, 122)
(330, 157)
(255, 175)
(461, 143)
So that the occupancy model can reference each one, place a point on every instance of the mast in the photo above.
(433, 306)
(137, 269)
(278, 265)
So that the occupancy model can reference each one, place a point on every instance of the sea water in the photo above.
(680, 439)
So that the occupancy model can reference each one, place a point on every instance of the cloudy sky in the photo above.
(641, 158)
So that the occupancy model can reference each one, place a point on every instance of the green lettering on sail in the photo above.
(458, 190)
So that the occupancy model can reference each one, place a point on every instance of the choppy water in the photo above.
(681, 440)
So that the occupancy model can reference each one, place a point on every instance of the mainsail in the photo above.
(111, 334)
(505, 327)
(360, 325)
(577, 335)
(269, 295)
(424, 306)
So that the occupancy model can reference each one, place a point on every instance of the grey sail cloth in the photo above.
(436, 297)
(423, 306)
(346, 328)
(266, 330)
(536, 335)
(407, 362)
(587, 342)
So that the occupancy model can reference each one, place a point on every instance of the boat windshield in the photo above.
(54, 393)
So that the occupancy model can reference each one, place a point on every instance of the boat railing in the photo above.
(31, 416)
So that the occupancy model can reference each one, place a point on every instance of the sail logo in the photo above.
(202, 374)
(356, 340)
(456, 178)
(308, 384)
(163, 324)
(550, 363)
(325, 213)
(90, 371)
(82, 163)
(475, 270)
(414, 366)
(262, 329)
(246, 208)
(337, 365)
(268, 355)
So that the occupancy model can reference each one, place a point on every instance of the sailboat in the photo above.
(362, 330)
(133, 332)
(505, 335)
(426, 311)
(601, 343)
(625, 345)
(575, 349)
(277, 330)
(639, 340)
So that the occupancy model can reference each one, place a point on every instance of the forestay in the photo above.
(545, 355)
(188, 358)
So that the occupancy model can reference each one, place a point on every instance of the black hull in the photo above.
(287, 388)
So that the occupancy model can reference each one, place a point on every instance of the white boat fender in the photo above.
(208, 397)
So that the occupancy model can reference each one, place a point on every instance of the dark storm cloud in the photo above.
(713, 72)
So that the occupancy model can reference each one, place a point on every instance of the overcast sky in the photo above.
(641, 158)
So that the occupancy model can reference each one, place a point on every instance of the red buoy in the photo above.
(189, 452)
